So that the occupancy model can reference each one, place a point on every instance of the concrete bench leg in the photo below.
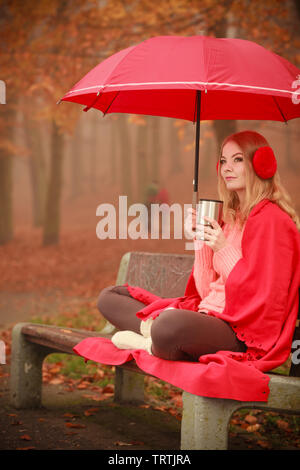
(205, 422)
(129, 386)
(26, 370)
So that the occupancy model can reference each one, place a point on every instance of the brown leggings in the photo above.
(176, 334)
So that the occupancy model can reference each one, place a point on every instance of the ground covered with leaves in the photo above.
(59, 285)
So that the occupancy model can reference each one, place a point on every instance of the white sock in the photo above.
(131, 340)
(145, 327)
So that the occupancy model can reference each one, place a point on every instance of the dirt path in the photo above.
(71, 421)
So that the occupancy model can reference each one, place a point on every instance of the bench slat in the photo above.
(57, 337)
(164, 274)
(63, 339)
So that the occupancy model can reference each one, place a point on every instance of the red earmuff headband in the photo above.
(264, 163)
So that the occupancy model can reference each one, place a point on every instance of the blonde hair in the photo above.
(256, 187)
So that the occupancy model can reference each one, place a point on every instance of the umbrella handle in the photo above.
(195, 199)
(197, 149)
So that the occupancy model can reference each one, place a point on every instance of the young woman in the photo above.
(182, 334)
(240, 305)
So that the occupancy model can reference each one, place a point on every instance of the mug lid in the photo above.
(211, 200)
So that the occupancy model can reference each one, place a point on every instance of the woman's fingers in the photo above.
(212, 222)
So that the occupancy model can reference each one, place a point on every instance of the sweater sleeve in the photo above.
(204, 272)
(225, 259)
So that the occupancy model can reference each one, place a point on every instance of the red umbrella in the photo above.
(193, 78)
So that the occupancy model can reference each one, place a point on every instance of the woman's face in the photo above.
(232, 164)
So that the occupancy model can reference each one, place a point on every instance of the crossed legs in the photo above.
(176, 334)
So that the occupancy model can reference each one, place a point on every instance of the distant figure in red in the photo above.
(155, 195)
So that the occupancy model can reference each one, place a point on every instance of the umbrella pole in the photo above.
(197, 148)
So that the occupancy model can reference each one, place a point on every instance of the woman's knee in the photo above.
(104, 297)
(165, 326)
(109, 298)
(165, 333)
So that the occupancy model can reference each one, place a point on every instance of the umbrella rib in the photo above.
(195, 110)
(280, 110)
(110, 103)
(88, 107)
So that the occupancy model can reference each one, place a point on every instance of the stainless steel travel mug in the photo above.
(211, 208)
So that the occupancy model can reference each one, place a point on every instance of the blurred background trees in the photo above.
(55, 159)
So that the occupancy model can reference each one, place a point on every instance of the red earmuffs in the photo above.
(264, 162)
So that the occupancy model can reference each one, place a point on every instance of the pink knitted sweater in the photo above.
(211, 269)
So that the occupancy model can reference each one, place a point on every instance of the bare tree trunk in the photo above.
(125, 160)
(37, 170)
(174, 143)
(113, 152)
(291, 163)
(155, 154)
(142, 173)
(297, 7)
(6, 183)
(93, 149)
(223, 129)
(52, 212)
(205, 153)
(6, 222)
(76, 164)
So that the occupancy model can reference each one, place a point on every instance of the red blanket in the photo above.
(261, 306)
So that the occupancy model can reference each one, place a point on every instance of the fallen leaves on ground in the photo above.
(251, 419)
(268, 429)
(91, 411)
(25, 437)
(133, 443)
(75, 425)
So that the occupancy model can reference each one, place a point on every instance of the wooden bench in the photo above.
(205, 420)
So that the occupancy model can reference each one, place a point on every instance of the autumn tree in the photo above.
(14, 76)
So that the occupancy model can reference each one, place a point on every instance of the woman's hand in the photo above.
(214, 235)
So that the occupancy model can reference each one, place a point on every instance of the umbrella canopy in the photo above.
(193, 78)
(159, 76)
